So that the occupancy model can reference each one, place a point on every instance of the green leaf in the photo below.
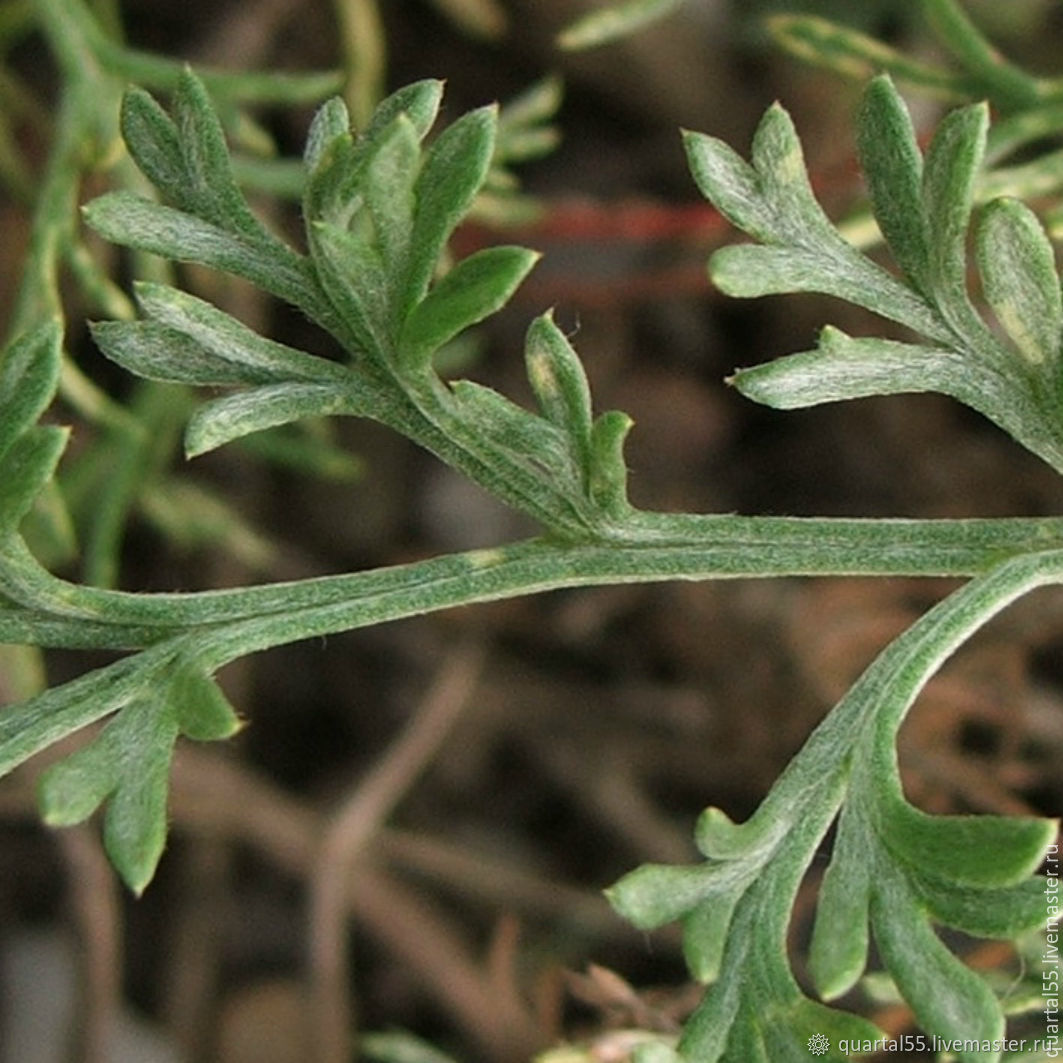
(948, 999)
(419, 101)
(187, 157)
(893, 167)
(952, 163)
(1018, 269)
(128, 765)
(505, 423)
(132, 221)
(452, 173)
(730, 184)
(779, 162)
(211, 190)
(773, 202)
(838, 952)
(352, 275)
(390, 175)
(979, 851)
(705, 931)
(158, 352)
(556, 375)
(845, 367)
(613, 22)
(472, 290)
(607, 484)
(203, 712)
(747, 270)
(153, 142)
(331, 121)
(189, 341)
(719, 837)
(26, 468)
(336, 159)
(223, 420)
(1003, 913)
(29, 376)
(655, 894)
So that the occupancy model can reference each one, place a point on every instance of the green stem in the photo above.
(656, 547)
(1010, 87)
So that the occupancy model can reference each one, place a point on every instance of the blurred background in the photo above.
(591, 726)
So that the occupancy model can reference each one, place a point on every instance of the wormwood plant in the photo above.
(380, 205)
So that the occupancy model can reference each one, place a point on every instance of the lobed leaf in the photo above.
(133, 221)
(127, 765)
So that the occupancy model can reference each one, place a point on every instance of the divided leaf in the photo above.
(949, 1000)
(893, 871)
(133, 221)
(127, 765)
(923, 209)
(186, 157)
(186, 340)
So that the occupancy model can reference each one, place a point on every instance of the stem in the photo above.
(365, 50)
(1011, 88)
(651, 547)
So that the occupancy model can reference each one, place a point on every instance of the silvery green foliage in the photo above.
(380, 206)
(895, 872)
(923, 207)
